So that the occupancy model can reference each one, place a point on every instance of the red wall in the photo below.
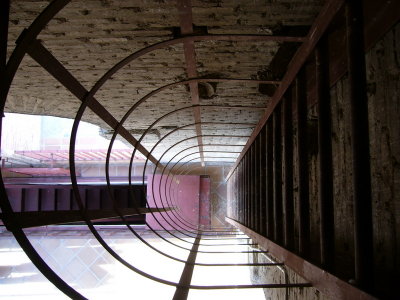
(182, 192)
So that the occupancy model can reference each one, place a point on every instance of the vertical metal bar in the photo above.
(182, 291)
(251, 182)
(243, 192)
(237, 193)
(304, 215)
(246, 191)
(325, 156)
(277, 163)
(255, 215)
(257, 183)
(363, 234)
(241, 214)
(235, 190)
(270, 190)
(263, 192)
(288, 166)
(240, 177)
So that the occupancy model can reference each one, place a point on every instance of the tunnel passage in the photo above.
(198, 109)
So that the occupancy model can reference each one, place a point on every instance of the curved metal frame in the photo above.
(26, 38)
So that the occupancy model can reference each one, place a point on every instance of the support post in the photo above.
(270, 189)
(363, 234)
(257, 168)
(252, 186)
(263, 191)
(325, 187)
(304, 206)
(277, 163)
(288, 167)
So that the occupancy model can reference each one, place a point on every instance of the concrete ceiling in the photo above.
(90, 37)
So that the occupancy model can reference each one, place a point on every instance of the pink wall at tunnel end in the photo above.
(183, 192)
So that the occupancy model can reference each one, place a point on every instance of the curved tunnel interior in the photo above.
(182, 123)
(159, 126)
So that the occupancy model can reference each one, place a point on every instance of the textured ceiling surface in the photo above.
(90, 37)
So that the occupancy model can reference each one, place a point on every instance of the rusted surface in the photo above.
(325, 156)
(288, 170)
(303, 169)
(277, 176)
(362, 197)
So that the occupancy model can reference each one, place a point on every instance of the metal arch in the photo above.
(83, 211)
(179, 128)
(171, 183)
(143, 99)
(81, 207)
(87, 100)
(118, 258)
(169, 114)
(128, 113)
(85, 103)
(214, 231)
(8, 214)
(108, 155)
(193, 137)
(162, 174)
(167, 231)
(165, 137)
(110, 250)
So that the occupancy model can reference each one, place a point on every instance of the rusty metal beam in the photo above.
(257, 182)
(186, 20)
(358, 99)
(51, 64)
(325, 282)
(182, 291)
(288, 167)
(325, 177)
(43, 218)
(303, 165)
(321, 23)
(269, 180)
(277, 175)
(251, 187)
(263, 180)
